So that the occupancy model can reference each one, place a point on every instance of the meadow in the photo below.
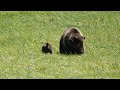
(22, 34)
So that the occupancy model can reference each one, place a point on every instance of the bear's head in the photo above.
(76, 40)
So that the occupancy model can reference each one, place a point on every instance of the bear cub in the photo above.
(71, 42)
(46, 48)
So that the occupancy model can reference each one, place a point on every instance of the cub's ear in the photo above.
(47, 44)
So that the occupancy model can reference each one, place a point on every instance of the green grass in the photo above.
(22, 33)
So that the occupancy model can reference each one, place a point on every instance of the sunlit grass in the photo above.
(22, 34)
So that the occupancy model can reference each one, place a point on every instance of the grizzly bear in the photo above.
(71, 42)
(46, 48)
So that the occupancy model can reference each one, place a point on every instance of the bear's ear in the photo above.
(83, 37)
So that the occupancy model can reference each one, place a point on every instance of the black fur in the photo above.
(47, 48)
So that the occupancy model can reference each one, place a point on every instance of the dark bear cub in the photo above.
(47, 48)
(71, 42)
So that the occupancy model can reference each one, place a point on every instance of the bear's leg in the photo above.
(62, 48)
(73, 52)
(81, 51)
(67, 49)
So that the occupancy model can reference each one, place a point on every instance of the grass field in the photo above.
(22, 33)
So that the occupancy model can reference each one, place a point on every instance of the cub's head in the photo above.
(47, 48)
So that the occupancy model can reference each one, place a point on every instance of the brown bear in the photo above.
(71, 42)
(47, 48)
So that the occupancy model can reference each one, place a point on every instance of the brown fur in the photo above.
(47, 48)
(71, 42)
